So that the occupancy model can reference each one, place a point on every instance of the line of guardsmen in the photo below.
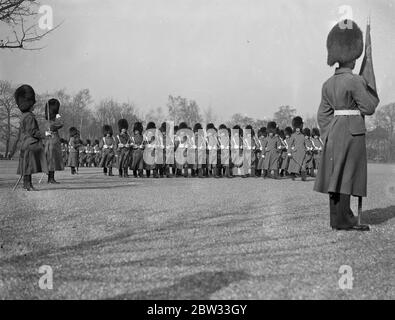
(181, 151)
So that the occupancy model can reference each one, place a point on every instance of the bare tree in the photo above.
(9, 114)
(20, 17)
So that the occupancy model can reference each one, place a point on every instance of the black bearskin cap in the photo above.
(315, 132)
(222, 126)
(344, 42)
(73, 131)
(138, 126)
(249, 127)
(96, 141)
(281, 133)
(162, 127)
(53, 106)
(210, 126)
(297, 122)
(238, 128)
(151, 125)
(288, 131)
(271, 127)
(123, 124)
(88, 141)
(307, 132)
(107, 129)
(25, 97)
(183, 125)
(197, 127)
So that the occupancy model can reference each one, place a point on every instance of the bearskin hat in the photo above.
(52, 106)
(176, 128)
(315, 132)
(307, 132)
(344, 42)
(288, 131)
(25, 97)
(138, 126)
(197, 127)
(96, 141)
(249, 127)
(222, 126)
(151, 125)
(271, 127)
(88, 141)
(281, 133)
(162, 127)
(210, 126)
(123, 124)
(107, 129)
(183, 125)
(237, 128)
(73, 131)
(297, 122)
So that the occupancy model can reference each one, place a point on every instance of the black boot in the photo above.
(120, 174)
(264, 174)
(26, 184)
(200, 173)
(135, 173)
(72, 170)
(186, 173)
(110, 172)
(148, 173)
(156, 173)
(303, 174)
(51, 177)
(31, 188)
(141, 173)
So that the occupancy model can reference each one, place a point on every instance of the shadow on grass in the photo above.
(198, 286)
(378, 216)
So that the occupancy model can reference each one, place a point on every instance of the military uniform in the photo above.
(32, 156)
(108, 146)
(297, 149)
(271, 150)
(346, 100)
(224, 143)
(123, 148)
(53, 148)
(317, 148)
(137, 161)
(74, 146)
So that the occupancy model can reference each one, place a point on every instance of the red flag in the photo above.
(367, 71)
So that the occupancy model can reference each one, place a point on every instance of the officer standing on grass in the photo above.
(346, 100)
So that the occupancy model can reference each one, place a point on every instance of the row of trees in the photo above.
(80, 111)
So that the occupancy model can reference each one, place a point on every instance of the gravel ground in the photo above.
(106, 237)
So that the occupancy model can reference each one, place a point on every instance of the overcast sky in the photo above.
(246, 56)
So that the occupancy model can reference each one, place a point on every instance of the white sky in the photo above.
(246, 56)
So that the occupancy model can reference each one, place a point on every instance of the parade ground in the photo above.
(112, 238)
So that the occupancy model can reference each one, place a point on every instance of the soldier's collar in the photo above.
(343, 70)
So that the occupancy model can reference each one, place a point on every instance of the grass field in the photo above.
(106, 237)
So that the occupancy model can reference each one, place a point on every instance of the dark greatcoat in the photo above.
(271, 152)
(297, 145)
(74, 145)
(53, 148)
(343, 167)
(32, 155)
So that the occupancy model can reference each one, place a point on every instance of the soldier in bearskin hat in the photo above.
(285, 163)
(149, 150)
(297, 149)
(224, 143)
(212, 150)
(108, 146)
(260, 155)
(168, 149)
(32, 155)
(123, 148)
(74, 145)
(53, 148)
(308, 159)
(90, 154)
(271, 149)
(346, 100)
(317, 147)
(82, 154)
(138, 145)
(282, 150)
(248, 152)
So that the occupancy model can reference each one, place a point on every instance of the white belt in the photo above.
(347, 113)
